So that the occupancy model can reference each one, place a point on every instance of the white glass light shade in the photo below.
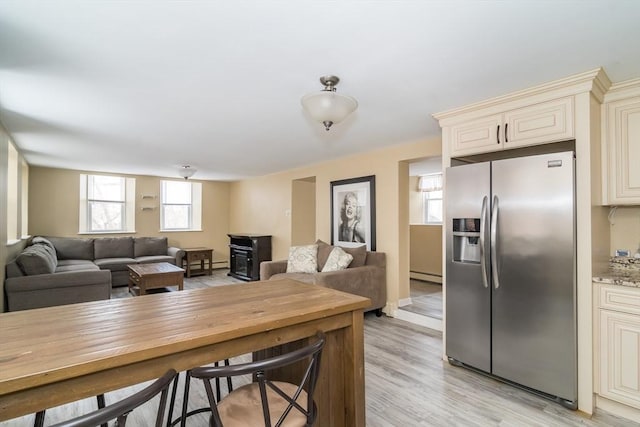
(328, 107)
(187, 172)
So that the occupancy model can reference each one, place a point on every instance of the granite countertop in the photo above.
(623, 271)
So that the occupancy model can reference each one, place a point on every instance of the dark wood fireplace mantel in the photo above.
(246, 252)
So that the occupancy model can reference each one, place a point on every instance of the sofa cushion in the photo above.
(303, 259)
(359, 255)
(39, 240)
(72, 247)
(155, 258)
(338, 260)
(115, 264)
(76, 265)
(324, 249)
(113, 247)
(36, 259)
(49, 251)
(147, 246)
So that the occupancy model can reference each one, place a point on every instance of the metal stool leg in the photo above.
(39, 422)
(173, 400)
(101, 404)
(185, 399)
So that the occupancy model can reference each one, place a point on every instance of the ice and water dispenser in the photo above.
(466, 240)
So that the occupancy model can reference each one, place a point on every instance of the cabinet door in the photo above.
(621, 131)
(539, 124)
(476, 136)
(620, 357)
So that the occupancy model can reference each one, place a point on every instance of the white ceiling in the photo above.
(143, 87)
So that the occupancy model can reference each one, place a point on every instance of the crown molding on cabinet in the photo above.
(595, 81)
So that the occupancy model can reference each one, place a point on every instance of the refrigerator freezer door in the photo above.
(468, 303)
(533, 309)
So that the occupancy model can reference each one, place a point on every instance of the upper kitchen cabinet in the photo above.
(621, 144)
(539, 115)
(534, 124)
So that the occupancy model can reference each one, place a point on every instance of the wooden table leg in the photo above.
(354, 370)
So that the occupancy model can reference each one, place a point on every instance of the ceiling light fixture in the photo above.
(326, 106)
(187, 171)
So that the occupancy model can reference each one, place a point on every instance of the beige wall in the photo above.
(54, 209)
(415, 201)
(260, 205)
(426, 249)
(625, 230)
(303, 211)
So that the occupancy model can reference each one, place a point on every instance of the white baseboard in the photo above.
(427, 322)
(404, 302)
(220, 264)
(425, 276)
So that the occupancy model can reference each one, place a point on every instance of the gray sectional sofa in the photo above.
(65, 270)
(366, 275)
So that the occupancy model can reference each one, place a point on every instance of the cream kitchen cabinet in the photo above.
(619, 344)
(621, 144)
(539, 123)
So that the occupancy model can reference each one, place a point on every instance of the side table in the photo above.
(192, 255)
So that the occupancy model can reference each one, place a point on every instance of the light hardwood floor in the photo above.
(426, 299)
(407, 384)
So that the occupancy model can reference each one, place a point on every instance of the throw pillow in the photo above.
(303, 259)
(324, 250)
(359, 255)
(338, 260)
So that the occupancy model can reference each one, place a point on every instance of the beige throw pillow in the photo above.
(338, 260)
(303, 259)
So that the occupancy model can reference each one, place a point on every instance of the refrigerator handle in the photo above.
(483, 254)
(494, 243)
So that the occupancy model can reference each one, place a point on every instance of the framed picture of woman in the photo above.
(353, 212)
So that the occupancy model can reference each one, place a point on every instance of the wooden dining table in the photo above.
(55, 355)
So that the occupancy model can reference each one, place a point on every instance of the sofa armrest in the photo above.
(177, 254)
(367, 281)
(269, 268)
(44, 290)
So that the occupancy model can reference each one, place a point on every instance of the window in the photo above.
(107, 204)
(431, 186)
(181, 206)
(12, 194)
(24, 191)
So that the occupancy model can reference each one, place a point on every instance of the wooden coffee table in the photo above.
(154, 276)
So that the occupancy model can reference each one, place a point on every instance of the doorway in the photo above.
(424, 304)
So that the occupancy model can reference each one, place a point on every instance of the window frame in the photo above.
(194, 208)
(427, 201)
(432, 191)
(127, 211)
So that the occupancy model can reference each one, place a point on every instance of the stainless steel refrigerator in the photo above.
(511, 271)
